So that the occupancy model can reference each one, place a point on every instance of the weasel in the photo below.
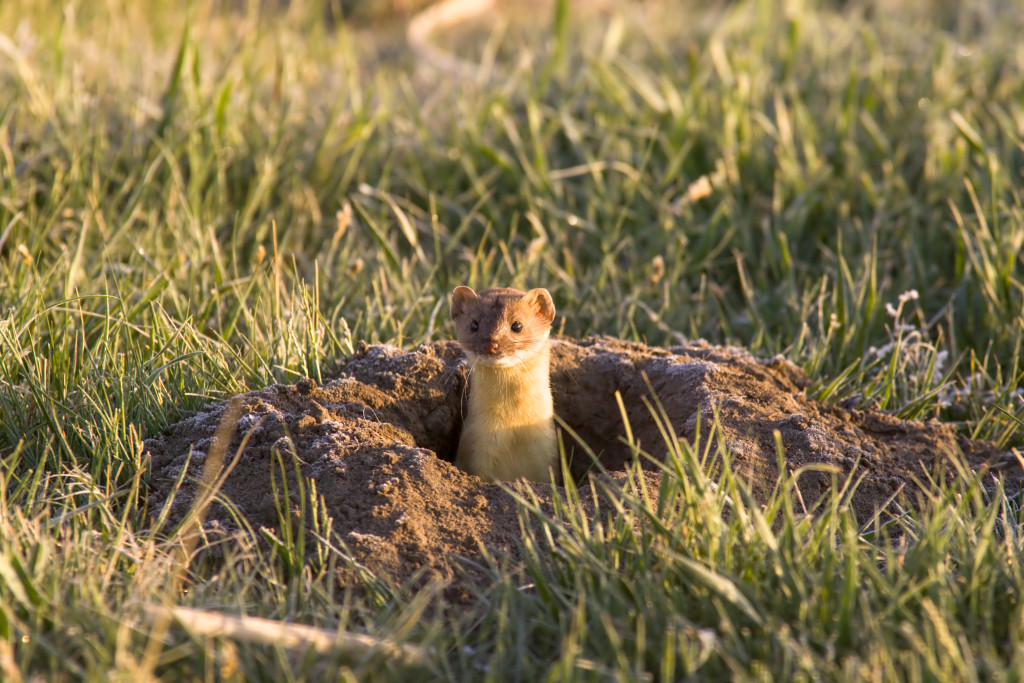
(509, 430)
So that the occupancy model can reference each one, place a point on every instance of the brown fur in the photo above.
(509, 430)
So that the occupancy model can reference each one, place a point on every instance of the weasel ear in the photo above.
(540, 300)
(461, 298)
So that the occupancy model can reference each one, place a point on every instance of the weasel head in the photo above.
(502, 327)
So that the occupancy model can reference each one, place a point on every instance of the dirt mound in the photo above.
(377, 442)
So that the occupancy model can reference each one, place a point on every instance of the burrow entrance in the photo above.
(378, 440)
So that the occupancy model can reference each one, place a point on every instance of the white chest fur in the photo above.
(509, 430)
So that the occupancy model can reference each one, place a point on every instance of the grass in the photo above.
(196, 202)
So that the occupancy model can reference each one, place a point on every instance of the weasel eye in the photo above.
(474, 326)
(517, 326)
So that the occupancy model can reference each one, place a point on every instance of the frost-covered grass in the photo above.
(199, 201)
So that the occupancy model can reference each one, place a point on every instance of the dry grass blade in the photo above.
(436, 18)
(299, 637)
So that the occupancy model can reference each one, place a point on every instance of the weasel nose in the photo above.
(491, 347)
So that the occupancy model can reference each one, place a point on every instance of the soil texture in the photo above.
(377, 442)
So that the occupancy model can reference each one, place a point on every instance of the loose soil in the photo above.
(378, 440)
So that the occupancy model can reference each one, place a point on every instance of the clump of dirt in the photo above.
(377, 442)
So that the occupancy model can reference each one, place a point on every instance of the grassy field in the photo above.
(196, 202)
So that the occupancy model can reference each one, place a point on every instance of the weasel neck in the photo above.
(522, 390)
